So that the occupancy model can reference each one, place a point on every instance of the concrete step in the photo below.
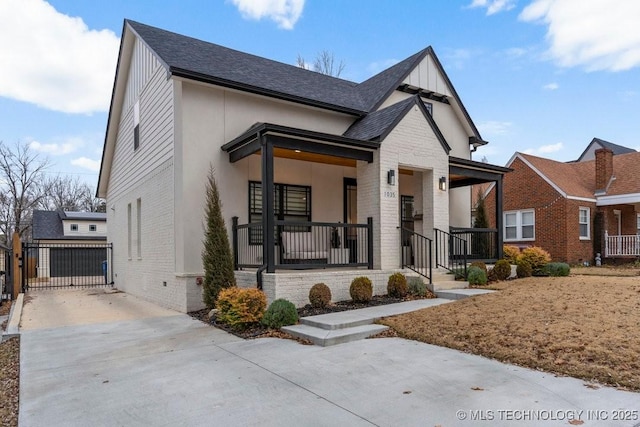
(327, 337)
(439, 285)
(457, 294)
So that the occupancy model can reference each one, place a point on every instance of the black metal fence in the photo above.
(57, 265)
(451, 253)
(305, 245)
(416, 252)
(6, 283)
(482, 243)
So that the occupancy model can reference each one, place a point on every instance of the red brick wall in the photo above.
(556, 218)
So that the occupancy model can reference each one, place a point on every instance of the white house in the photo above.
(362, 178)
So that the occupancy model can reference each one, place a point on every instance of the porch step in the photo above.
(456, 294)
(352, 325)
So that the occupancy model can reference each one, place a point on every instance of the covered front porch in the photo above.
(618, 225)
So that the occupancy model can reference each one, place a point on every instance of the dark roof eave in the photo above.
(191, 75)
(457, 161)
(264, 128)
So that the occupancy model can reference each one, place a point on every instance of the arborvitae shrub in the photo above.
(239, 307)
(319, 295)
(476, 276)
(217, 260)
(535, 256)
(524, 269)
(280, 313)
(361, 289)
(397, 285)
(502, 269)
(417, 286)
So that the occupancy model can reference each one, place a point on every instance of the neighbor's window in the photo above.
(129, 230)
(92, 227)
(638, 220)
(519, 225)
(136, 125)
(291, 203)
(74, 227)
(139, 226)
(584, 221)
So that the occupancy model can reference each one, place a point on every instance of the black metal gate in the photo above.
(6, 281)
(61, 265)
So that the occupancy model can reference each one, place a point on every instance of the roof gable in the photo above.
(596, 143)
(377, 125)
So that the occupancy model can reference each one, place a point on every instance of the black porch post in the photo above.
(268, 217)
(499, 218)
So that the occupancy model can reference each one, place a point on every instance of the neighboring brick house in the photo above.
(574, 210)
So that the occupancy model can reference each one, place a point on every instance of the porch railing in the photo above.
(416, 252)
(482, 243)
(305, 245)
(628, 245)
(451, 253)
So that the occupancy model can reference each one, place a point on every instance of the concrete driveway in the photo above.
(166, 369)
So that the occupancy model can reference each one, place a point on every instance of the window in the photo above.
(74, 227)
(139, 226)
(519, 225)
(136, 125)
(291, 203)
(584, 220)
(638, 221)
(406, 216)
(129, 230)
(92, 227)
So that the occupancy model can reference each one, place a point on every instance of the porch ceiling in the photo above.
(311, 157)
(292, 139)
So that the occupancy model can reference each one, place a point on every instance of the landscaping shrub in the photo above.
(511, 253)
(280, 313)
(319, 295)
(476, 276)
(217, 259)
(240, 308)
(524, 269)
(502, 269)
(397, 285)
(361, 289)
(491, 275)
(480, 265)
(557, 269)
(417, 286)
(535, 256)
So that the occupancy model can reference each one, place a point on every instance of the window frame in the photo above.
(73, 227)
(582, 209)
(93, 227)
(136, 126)
(282, 212)
(519, 225)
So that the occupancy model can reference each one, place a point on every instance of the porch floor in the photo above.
(346, 326)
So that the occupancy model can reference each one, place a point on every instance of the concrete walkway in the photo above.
(172, 370)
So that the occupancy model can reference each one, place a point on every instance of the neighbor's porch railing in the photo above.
(305, 245)
(482, 243)
(621, 245)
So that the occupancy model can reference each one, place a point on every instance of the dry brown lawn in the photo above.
(583, 326)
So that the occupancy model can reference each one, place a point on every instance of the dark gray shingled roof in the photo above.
(617, 149)
(377, 125)
(200, 60)
(47, 225)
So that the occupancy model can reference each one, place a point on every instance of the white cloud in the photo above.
(284, 12)
(594, 34)
(493, 127)
(493, 6)
(551, 86)
(59, 146)
(545, 149)
(86, 163)
(53, 60)
(457, 58)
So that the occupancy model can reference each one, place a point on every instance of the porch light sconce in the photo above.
(391, 177)
(442, 183)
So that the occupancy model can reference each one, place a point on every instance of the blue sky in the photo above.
(537, 76)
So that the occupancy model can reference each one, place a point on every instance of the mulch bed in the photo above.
(9, 381)
(261, 331)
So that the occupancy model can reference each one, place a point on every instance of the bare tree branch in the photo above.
(324, 63)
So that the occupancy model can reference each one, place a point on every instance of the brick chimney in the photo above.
(604, 168)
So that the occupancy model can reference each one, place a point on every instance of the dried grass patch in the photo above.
(583, 326)
(9, 381)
